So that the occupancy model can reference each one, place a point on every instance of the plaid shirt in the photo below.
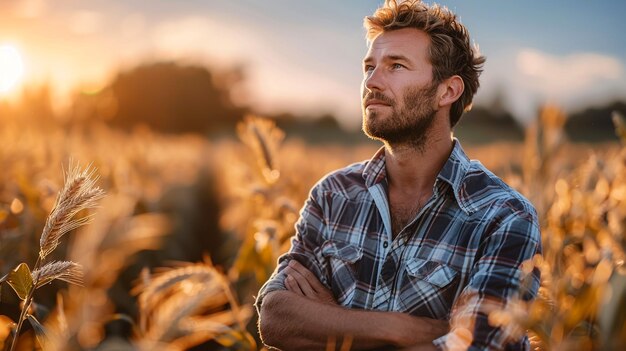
(465, 244)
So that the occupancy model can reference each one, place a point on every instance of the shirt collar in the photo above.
(375, 171)
(453, 172)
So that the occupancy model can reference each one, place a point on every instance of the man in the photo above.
(414, 247)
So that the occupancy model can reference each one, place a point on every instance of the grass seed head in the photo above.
(79, 193)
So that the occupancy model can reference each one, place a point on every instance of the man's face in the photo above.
(398, 92)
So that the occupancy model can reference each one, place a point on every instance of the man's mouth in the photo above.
(375, 103)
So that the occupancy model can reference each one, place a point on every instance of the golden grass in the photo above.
(579, 190)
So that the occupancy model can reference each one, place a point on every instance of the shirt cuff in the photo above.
(276, 282)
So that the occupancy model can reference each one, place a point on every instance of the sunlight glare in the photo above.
(11, 68)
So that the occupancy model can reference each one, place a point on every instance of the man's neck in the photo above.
(414, 169)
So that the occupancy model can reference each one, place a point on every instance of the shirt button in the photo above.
(385, 244)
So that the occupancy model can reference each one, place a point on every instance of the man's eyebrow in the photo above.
(390, 57)
(396, 57)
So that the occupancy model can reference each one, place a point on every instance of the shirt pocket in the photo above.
(428, 288)
(341, 260)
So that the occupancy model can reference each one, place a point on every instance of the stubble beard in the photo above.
(406, 126)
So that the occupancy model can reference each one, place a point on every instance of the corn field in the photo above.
(142, 241)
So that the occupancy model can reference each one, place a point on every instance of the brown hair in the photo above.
(450, 51)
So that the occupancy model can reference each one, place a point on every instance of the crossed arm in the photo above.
(306, 316)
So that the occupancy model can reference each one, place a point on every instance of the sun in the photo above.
(11, 68)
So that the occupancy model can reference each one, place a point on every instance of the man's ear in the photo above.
(453, 89)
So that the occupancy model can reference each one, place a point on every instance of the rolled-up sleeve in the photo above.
(494, 281)
(305, 245)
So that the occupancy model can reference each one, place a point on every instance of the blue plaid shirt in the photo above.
(460, 253)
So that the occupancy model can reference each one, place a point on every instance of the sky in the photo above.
(304, 57)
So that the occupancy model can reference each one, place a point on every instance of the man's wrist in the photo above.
(394, 328)
(404, 330)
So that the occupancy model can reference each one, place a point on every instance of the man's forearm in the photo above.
(290, 321)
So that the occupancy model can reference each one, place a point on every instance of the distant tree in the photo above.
(594, 124)
(323, 128)
(490, 122)
(488, 118)
(288, 120)
(172, 98)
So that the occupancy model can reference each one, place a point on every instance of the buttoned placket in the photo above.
(384, 297)
(379, 194)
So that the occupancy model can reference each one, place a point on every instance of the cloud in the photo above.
(133, 25)
(30, 8)
(572, 74)
(85, 22)
(201, 37)
(529, 78)
(290, 87)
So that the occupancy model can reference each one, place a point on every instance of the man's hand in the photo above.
(303, 282)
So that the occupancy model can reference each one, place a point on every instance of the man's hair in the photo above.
(451, 52)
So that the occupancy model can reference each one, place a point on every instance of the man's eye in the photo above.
(368, 68)
(397, 66)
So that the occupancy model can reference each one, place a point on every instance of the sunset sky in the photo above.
(305, 57)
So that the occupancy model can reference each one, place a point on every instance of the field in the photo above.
(170, 252)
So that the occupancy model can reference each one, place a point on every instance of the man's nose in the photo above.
(373, 80)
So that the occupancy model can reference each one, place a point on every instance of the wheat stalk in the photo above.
(162, 284)
(263, 137)
(78, 193)
(173, 305)
(66, 271)
(171, 311)
(165, 299)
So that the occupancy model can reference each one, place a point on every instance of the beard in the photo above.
(407, 124)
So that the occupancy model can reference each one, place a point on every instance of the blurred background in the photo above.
(159, 96)
(294, 62)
